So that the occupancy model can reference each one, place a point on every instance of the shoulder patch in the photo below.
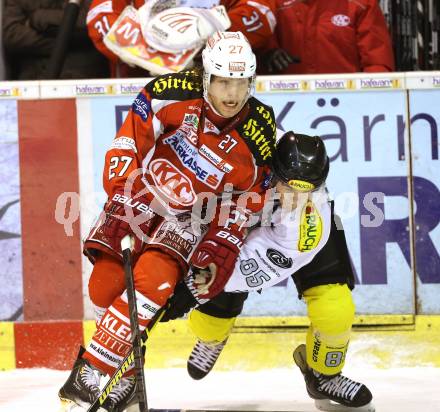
(141, 106)
(180, 86)
(259, 131)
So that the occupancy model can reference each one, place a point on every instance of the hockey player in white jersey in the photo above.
(302, 241)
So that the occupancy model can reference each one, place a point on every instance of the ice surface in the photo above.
(394, 390)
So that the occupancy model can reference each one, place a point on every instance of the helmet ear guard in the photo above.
(301, 161)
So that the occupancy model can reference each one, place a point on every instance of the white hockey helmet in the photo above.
(228, 54)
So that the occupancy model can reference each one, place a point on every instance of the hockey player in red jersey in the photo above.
(187, 138)
(304, 239)
(255, 19)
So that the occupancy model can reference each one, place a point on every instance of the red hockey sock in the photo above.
(155, 276)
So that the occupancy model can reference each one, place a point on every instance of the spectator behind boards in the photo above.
(318, 36)
(254, 19)
(29, 32)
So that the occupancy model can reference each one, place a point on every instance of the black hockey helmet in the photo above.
(301, 161)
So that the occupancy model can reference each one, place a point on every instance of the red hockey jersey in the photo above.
(179, 154)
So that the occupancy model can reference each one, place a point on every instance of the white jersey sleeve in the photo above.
(271, 254)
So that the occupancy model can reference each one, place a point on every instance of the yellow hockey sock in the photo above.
(209, 328)
(331, 312)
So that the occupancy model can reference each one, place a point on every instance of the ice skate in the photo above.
(122, 397)
(81, 387)
(203, 357)
(333, 393)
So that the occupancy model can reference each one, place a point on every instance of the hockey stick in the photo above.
(140, 390)
(141, 339)
(62, 40)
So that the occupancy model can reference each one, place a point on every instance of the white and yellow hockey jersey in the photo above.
(272, 253)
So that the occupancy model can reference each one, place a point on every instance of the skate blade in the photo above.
(70, 406)
(328, 406)
(134, 408)
(299, 356)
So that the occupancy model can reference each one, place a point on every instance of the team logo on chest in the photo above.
(172, 183)
(340, 20)
(278, 259)
(210, 127)
(188, 155)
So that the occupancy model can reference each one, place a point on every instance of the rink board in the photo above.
(250, 348)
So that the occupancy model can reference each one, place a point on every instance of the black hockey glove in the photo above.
(276, 60)
(180, 303)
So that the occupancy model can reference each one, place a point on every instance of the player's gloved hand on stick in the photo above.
(276, 60)
(182, 300)
(215, 255)
(127, 215)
